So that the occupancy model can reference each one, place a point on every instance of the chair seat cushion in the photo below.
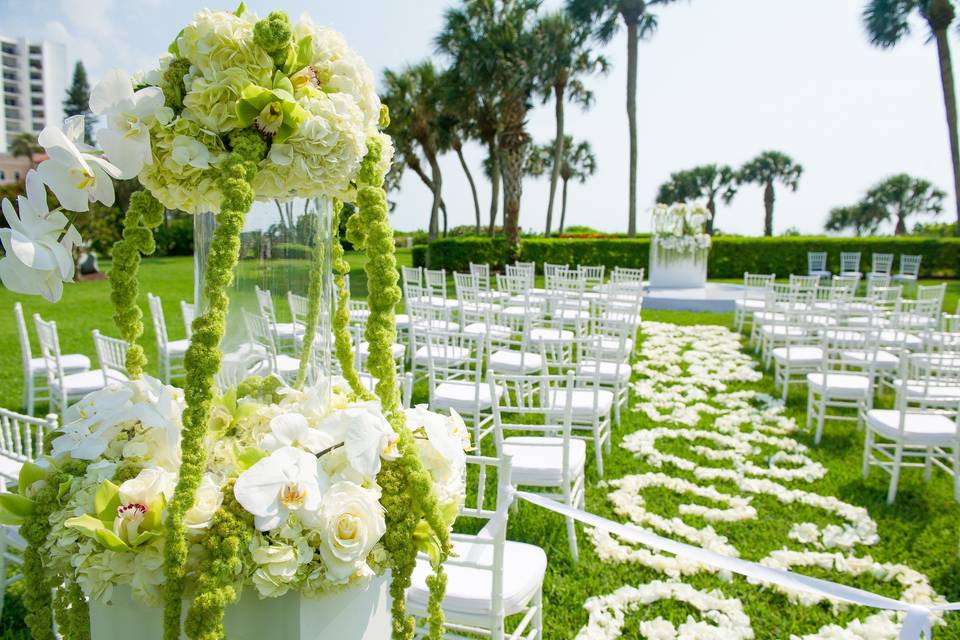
(884, 360)
(550, 335)
(9, 472)
(484, 329)
(839, 384)
(820, 274)
(463, 396)
(612, 345)
(80, 384)
(932, 392)
(403, 320)
(798, 355)
(396, 350)
(290, 329)
(538, 461)
(925, 428)
(116, 376)
(71, 362)
(436, 325)
(583, 401)
(468, 591)
(287, 364)
(606, 371)
(441, 353)
(749, 304)
(178, 347)
(572, 314)
(782, 330)
(507, 361)
(900, 339)
(517, 311)
(479, 307)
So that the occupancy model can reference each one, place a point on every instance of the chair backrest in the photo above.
(454, 357)
(805, 282)
(299, 308)
(933, 292)
(549, 273)
(412, 275)
(495, 510)
(260, 334)
(755, 284)
(849, 262)
(24, 336)
(189, 312)
(436, 282)
(910, 265)
(592, 276)
(521, 274)
(22, 437)
(917, 314)
(537, 399)
(816, 261)
(112, 355)
(627, 275)
(482, 273)
(929, 381)
(159, 324)
(877, 280)
(881, 263)
(838, 343)
(49, 349)
(512, 282)
(265, 303)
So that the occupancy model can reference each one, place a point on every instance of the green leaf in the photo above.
(30, 473)
(110, 540)
(241, 8)
(174, 48)
(154, 512)
(106, 500)
(14, 508)
(63, 489)
(248, 456)
(146, 536)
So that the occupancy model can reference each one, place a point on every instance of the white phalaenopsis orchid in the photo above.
(38, 260)
(287, 481)
(292, 430)
(366, 435)
(76, 176)
(128, 116)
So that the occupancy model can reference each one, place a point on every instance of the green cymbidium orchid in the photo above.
(16, 507)
(273, 112)
(118, 526)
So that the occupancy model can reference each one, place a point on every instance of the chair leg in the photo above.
(821, 417)
(867, 452)
(809, 408)
(928, 465)
(895, 474)
(537, 622)
(572, 539)
(956, 471)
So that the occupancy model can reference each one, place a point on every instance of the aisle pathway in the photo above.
(723, 469)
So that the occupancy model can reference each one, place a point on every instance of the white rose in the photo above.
(207, 502)
(278, 566)
(351, 524)
(147, 486)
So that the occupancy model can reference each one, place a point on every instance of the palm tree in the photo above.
(463, 31)
(24, 145)
(765, 170)
(864, 218)
(493, 44)
(704, 182)
(564, 57)
(888, 21)
(640, 23)
(413, 97)
(577, 163)
(455, 125)
(901, 196)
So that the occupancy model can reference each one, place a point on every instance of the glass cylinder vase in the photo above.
(283, 246)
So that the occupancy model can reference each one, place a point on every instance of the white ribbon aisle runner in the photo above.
(916, 626)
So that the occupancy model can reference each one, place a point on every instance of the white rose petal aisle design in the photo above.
(709, 458)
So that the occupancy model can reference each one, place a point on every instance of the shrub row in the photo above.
(730, 256)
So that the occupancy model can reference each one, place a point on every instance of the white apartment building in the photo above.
(33, 86)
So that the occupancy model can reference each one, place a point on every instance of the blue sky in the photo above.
(721, 81)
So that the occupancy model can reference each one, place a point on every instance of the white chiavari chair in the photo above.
(909, 269)
(424, 317)
(286, 335)
(877, 280)
(849, 262)
(489, 578)
(261, 335)
(548, 455)
(64, 387)
(170, 353)
(881, 264)
(754, 297)
(435, 282)
(842, 383)
(592, 276)
(35, 387)
(799, 352)
(189, 312)
(605, 355)
(21, 440)
(455, 379)
(923, 430)
(112, 355)
(817, 264)
(627, 277)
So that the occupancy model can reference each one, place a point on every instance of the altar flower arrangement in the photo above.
(680, 227)
(194, 495)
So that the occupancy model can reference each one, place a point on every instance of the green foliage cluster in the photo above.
(175, 237)
(203, 358)
(144, 214)
(730, 256)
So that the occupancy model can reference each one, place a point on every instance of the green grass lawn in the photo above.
(920, 529)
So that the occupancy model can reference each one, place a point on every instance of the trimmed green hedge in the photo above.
(419, 253)
(730, 256)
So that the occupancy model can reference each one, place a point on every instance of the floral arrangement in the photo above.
(194, 495)
(679, 228)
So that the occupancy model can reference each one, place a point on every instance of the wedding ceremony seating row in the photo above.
(850, 351)
(881, 264)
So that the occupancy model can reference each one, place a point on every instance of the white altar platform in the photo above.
(715, 296)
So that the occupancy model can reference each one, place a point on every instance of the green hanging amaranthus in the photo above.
(144, 214)
(202, 360)
(408, 495)
(314, 297)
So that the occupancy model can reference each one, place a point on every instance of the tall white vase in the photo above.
(676, 270)
(353, 614)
